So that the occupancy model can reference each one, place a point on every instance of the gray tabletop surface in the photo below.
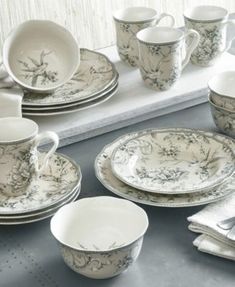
(30, 256)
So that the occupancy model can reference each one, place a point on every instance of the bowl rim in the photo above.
(218, 107)
(6, 47)
(101, 250)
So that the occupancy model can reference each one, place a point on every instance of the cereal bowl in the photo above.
(40, 55)
(100, 237)
(222, 90)
(223, 118)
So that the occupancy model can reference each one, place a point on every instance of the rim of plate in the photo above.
(114, 78)
(39, 217)
(48, 108)
(116, 191)
(142, 133)
(74, 108)
(62, 198)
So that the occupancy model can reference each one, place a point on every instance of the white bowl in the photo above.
(222, 90)
(40, 55)
(100, 236)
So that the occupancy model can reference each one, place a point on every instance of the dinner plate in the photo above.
(40, 216)
(105, 176)
(95, 74)
(57, 182)
(173, 161)
(72, 109)
(51, 108)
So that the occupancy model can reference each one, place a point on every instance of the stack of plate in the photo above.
(168, 167)
(59, 184)
(95, 82)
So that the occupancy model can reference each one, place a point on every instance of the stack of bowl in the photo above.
(222, 101)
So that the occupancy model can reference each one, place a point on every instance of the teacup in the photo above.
(161, 52)
(40, 55)
(19, 140)
(211, 23)
(128, 22)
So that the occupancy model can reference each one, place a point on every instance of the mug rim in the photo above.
(7, 45)
(162, 29)
(208, 20)
(118, 19)
(23, 138)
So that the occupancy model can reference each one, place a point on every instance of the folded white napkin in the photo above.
(10, 102)
(10, 96)
(214, 240)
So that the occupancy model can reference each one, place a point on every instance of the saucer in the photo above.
(105, 176)
(56, 183)
(95, 74)
(173, 161)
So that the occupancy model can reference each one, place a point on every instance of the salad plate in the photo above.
(56, 183)
(51, 108)
(76, 108)
(38, 216)
(173, 161)
(108, 180)
(95, 74)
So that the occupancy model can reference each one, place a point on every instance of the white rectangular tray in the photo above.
(134, 102)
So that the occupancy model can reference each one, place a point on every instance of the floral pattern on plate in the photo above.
(101, 264)
(173, 161)
(95, 73)
(58, 181)
(105, 176)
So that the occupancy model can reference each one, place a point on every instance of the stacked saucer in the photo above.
(168, 167)
(95, 82)
(59, 184)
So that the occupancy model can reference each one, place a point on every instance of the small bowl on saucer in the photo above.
(224, 119)
(100, 237)
(222, 90)
(40, 55)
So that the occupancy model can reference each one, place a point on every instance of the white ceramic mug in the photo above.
(40, 55)
(19, 140)
(128, 22)
(211, 23)
(161, 55)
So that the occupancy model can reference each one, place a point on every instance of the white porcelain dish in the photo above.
(105, 176)
(51, 108)
(95, 74)
(172, 161)
(100, 236)
(78, 107)
(222, 90)
(56, 183)
(224, 119)
(38, 216)
(40, 55)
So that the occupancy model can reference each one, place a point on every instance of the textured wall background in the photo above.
(89, 20)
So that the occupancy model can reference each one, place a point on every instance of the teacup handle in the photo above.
(229, 22)
(163, 15)
(46, 135)
(191, 47)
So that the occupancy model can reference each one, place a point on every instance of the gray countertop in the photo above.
(30, 255)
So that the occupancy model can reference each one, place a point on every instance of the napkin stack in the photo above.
(10, 96)
(213, 239)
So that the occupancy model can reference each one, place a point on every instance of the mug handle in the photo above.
(191, 47)
(46, 135)
(163, 15)
(229, 22)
